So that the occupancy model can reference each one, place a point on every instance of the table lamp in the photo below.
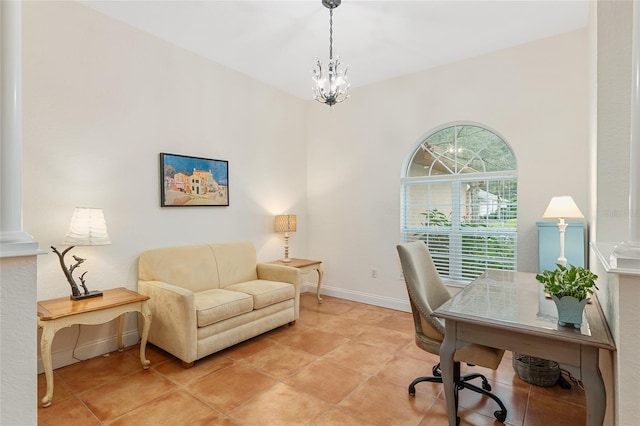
(562, 208)
(87, 228)
(285, 223)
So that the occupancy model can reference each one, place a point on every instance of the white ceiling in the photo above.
(277, 42)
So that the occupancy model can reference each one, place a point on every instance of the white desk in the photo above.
(508, 310)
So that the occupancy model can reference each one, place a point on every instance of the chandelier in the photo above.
(331, 85)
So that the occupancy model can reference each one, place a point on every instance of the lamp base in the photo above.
(94, 293)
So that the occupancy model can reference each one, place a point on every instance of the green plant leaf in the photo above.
(574, 281)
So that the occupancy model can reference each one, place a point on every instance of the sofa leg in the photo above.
(187, 364)
(292, 323)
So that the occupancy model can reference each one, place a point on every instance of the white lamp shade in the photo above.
(87, 228)
(285, 223)
(562, 207)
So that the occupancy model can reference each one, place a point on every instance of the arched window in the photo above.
(459, 196)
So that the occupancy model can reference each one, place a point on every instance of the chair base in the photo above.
(462, 382)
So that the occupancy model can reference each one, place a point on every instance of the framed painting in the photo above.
(193, 181)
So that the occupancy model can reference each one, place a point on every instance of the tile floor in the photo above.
(342, 363)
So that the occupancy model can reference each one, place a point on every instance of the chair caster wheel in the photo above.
(412, 391)
(500, 415)
(436, 371)
(457, 421)
(486, 386)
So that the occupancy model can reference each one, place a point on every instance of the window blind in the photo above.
(469, 225)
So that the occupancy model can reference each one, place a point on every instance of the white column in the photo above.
(18, 251)
(627, 254)
(13, 240)
(634, 154)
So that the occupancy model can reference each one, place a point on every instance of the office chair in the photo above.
(427, 292)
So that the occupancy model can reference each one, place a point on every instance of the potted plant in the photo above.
(570, 289)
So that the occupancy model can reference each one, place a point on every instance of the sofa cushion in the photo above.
(190, 267)
(219, 304)
(236, 262)
(265, 292)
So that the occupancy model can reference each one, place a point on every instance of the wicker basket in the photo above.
(537, 371)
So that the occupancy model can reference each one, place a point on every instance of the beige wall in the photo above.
(614, 119)
(535, 96)
(101, 101)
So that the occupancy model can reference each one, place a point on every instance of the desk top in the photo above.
(62, 307)
(516, 300)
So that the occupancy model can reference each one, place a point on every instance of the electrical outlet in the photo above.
(374, 273)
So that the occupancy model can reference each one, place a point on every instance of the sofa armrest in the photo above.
(272, 272)
(285, 274)
(173, 318)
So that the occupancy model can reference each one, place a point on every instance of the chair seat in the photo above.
(484, 356)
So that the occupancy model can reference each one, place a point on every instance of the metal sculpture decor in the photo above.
(331, 86)
(87, 228)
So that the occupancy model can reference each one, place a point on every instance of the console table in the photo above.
(508, 310)
(55, 314)
(306, 266)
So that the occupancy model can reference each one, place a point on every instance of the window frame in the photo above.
(457, 231)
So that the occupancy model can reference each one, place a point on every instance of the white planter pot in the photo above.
(570, 310)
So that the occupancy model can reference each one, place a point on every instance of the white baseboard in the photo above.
(358, 296)
(64, 356)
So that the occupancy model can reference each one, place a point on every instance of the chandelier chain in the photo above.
(330, 34)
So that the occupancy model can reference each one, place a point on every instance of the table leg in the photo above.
(320, 274)
(45, 351)
(447, 350)
(146, 314)
(593, 386)
(120, 329)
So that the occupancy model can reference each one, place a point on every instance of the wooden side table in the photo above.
(55, 314)
(306, 266)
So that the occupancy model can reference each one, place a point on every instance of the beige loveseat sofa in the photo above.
(205, 298)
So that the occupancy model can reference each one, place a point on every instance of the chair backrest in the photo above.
(424, 285)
